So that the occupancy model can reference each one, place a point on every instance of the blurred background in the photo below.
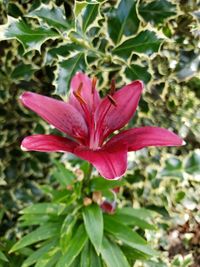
(166, 180)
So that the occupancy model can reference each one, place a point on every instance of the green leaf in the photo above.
(43, 232)
(66, 231)
(86, 15)
(36, 255)
(157, 11)
(31, 39)
(95, 260)
(52, 16)
(49, 259)
(123, 20)
(93, 220)
(74, 247)
(192, 165)
(145, 42)
(126, 235)
(3, 257)
(23, 71)
(44, 208)
(33, 219)
(141, 213)
(65, 71)
(136, 72)
(64, 176)
(99, 184)
(173, 168)
(112, 254)
(85, 259)
(132, 220)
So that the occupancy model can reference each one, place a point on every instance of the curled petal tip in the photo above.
(183, 143)
(23, 148)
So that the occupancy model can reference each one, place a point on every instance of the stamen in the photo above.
(112, 100)
(78, 96)
(112, 87)
(94, 82)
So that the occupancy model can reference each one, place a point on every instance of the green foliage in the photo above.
(43, 45)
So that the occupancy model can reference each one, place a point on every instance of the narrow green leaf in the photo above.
(31, 39)
(136, 72)
(3, 257)
(66, 231)
(33, 219)
(42, 233)
(132, 220)
(99, 184)
(141, 213)
(157, 11)
(95, 260)
(123, 20)
(145, 42)
(112, 254)
(49, 259)
(74, 247)
(52, 16)
(127, 235)
(65, 176)
(85, 259)
(93, 220)
(36, 255)
(44, 208)
(65, 71)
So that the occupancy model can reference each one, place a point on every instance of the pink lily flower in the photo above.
(88, 121)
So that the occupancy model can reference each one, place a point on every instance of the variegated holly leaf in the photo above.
(65, 70)
(123, 20)
(53, 16)
(30, 38)
(145, 42)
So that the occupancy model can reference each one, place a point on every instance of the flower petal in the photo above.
(48, 143)
(61, 115)
(110, 162)
(110, 117)
(88, 94)
(137, 138)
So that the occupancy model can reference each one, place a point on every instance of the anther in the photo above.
(94, 81)
(112, 100)
(78, 96)
(112, 87)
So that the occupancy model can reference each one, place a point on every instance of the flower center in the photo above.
(95, 127)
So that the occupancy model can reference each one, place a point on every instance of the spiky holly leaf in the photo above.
(123, 20)
(157, 11)
(145, 42)
(30, 38)
(65, 70)
(52, 16)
